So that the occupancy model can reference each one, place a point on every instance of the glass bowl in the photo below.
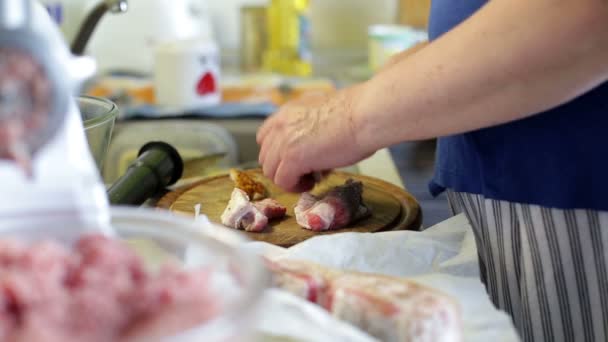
(98, 116)
(160, 236)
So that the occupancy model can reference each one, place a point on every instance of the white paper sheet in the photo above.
(443, 257)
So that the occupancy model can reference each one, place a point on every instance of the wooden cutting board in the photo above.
(391, 206)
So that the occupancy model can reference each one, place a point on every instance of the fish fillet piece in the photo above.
(250, 186)
(336, 209)
(240, 213)
(388, 308)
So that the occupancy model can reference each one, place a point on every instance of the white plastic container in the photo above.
(187, 74)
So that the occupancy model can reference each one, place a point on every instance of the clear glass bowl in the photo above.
(98, 116)
(158, 236)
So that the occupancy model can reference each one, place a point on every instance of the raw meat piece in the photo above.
(97, 292)
(270, 208)
(388, 308)
(241, 213)
(336, 209)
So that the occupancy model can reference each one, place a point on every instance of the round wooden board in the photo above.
(391, 206)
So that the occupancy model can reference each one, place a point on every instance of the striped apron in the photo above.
(547, 268)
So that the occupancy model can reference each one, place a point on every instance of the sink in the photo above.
(196, 137)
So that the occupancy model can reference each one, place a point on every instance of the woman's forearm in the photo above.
(402, 56)
(511, 59)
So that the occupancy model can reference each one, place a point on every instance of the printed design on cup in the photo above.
(187, 75)
(206, 84)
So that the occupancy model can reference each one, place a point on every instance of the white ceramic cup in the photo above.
(187, 74)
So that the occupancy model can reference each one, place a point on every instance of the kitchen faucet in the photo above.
(84, 34)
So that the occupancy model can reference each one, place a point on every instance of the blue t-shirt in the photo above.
(555, 159)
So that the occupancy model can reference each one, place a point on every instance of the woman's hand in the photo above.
(314, 133)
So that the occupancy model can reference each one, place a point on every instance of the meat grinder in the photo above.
(45, 163)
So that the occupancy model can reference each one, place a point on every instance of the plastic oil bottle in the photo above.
(288, 50)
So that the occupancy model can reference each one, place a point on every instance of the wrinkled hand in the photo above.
(315, 133)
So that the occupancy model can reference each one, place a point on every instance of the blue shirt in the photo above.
(555, 159)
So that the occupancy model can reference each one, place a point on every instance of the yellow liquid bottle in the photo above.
(288, 50)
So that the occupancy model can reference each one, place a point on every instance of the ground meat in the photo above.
(99, 291)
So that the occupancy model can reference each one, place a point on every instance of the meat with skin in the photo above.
(241, 213)
(338, 208)
(388, 308)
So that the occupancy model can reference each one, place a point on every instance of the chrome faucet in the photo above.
(86, 30)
